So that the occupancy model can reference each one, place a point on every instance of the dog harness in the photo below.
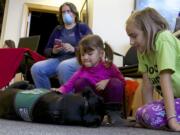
(25, 101)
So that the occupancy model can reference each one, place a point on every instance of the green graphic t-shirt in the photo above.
(166, 56)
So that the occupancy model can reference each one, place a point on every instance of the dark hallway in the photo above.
(42, 24)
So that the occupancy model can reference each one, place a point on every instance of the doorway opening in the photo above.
(40, 20)
(42, 24)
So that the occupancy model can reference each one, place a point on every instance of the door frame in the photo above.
(26, 16)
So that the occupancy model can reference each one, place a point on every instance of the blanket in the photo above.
(10, 60)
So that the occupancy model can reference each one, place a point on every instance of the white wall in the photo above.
(109, 17)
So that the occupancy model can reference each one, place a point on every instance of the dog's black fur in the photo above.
(23, 85)
(85, 108)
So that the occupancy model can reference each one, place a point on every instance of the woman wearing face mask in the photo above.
(60, 48)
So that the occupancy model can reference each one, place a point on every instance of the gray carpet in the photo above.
(9, 127)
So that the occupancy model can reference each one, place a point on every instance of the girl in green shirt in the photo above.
(159, 61)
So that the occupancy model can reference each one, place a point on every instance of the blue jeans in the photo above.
(43, 70)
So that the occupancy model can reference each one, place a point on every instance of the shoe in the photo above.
(116, 108)
(114, 117)
(106, 121)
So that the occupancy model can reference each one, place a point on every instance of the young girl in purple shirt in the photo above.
(97, 72)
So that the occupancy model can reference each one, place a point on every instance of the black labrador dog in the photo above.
(43, 106)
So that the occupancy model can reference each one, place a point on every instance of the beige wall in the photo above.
(107, 18)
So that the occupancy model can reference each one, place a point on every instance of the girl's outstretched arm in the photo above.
(168, 96)
(147, 89)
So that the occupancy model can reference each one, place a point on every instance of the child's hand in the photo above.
(55, 89)
(174, 125)
(102, 84)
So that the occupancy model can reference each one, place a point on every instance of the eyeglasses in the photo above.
(66, 11)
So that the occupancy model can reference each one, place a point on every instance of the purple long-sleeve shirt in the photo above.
(93, 74)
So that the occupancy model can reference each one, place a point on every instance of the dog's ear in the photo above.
(96, 108)
(91, 96)
(88, 92)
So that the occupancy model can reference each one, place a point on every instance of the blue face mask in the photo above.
(67, 18)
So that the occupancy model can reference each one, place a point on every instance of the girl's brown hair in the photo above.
(73, 10)
(150, 22)
(92, 42)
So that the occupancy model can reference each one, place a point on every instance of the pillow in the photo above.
(130, 89)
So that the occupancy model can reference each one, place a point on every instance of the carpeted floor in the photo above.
(9, 127)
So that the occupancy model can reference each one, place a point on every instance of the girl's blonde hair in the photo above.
(92, 42)
(150, 22)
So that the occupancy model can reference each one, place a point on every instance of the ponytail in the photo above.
(108, 54)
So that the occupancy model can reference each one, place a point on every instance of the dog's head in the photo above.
(84, 108)
(94, 108)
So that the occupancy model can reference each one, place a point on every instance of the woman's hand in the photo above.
(56, 49)
(68, 47)
(101, 85)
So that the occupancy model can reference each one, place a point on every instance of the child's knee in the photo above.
(115, 87)
(115, 83)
